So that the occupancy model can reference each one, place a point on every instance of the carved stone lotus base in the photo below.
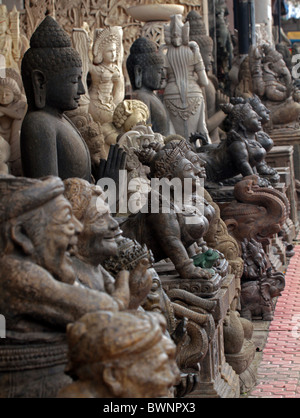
(203, 288)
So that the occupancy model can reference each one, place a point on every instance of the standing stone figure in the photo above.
(214, 97)
(145, 66)
(107, 84)
(12, 111)
(183, 96)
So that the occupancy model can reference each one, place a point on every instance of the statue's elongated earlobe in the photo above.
(138, 76)
(39, 88)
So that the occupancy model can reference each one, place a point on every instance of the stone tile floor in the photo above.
(278, 342)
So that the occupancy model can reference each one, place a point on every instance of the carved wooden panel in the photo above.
(97, 13)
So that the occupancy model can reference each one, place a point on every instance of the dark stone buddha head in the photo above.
(145, 65)
(52, 69)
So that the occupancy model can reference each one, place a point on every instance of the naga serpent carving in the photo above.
(259, 212)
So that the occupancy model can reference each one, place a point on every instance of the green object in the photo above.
(206, 260)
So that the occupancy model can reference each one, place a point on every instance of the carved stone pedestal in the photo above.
(288, 137)
(217, 379)
(281, 157)
(203, 288)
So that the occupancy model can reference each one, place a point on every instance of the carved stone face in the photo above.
(186, 170)
(63, 90)
(176, 37)
(109, 54)
(252, 122)
(152, 76)
(153, 374)
(98, 238)
(197, 162)
(138, 117)
(6, 96)
(60, 236)
(257, 225)
(263, 112)
(208, 57)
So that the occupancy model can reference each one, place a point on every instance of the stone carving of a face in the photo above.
(59, 237)
(42, 227)
(121, 355)
(6, 96)
(100, 229)
(109, 54)
(64, 89)
(252, 122)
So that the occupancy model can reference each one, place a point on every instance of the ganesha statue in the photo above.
(273, 83)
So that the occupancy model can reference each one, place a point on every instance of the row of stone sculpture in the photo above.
(59, 263)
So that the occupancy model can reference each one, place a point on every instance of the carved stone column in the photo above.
(217, 379)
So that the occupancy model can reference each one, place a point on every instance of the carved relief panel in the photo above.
(96, 13)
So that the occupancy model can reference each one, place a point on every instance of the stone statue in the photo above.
(137, 174)
(272, 82)
(213, 95)
(92, 134)
(257, 213)
(263, 169)
(9, 43)
(240, 152)
(224, 43)
(218, 238)
(38, 232)
(189, 322)
(169, 234)
(13, 106)
(183, 97)
(260, 284)
(90, 130)
(120, 355)
(146, 72)
(127, 115)
(51, 71)
(4, 156)
(239, 348)
(107, 84)
(97, 241)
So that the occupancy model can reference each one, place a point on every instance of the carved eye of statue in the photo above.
(188, 167)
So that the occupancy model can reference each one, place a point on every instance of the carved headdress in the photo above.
(236, 113)
(130, 253)
(79, 193)
(104, 337)
(21, 195)
(176, 25)
(103, 38)
(198, 32)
